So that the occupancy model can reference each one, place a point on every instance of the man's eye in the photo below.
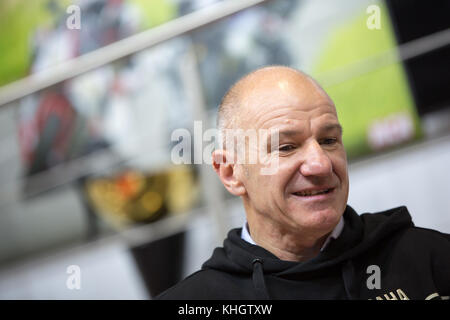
(286, 148)
(328, 141)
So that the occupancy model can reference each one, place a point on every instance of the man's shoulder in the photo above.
(417, 240)
(186, 288)
(426, 236)
(398, 222)
(422, 247)
(205, 284)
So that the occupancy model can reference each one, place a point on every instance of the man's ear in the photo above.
(227, 170)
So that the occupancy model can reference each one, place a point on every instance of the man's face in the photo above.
(311, 158)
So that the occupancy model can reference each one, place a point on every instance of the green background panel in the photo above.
(370, 96)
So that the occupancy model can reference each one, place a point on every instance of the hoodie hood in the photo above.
(360, 233)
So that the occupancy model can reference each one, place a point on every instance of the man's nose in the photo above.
(316, 161)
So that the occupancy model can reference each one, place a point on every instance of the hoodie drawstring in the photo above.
(348, 275)
(258, 280)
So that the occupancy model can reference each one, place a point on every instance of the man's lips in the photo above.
(316, 193)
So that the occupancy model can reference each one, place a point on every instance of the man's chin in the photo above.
(322, 218)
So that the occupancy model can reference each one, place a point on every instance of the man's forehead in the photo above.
(323, 127)
(269, 111)
(279, 90)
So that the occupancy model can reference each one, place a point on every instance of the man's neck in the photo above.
(286, 244)
(284, 251)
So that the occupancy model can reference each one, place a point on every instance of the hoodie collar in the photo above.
(360, 232)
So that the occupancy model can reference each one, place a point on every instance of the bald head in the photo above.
(251, 91)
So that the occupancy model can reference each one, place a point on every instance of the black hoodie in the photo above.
(377, 256)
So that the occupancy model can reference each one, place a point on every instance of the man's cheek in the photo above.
(339, 165)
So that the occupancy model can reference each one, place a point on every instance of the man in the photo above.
(301, 239)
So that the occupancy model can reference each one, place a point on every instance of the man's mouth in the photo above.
(309, 193)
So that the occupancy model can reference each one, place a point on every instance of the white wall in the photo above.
(418, 177)
(107, 272)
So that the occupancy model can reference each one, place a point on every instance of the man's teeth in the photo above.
(311, 193)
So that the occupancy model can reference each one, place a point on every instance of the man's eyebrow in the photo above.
(288, 133)
(331, 127)
(325, 128)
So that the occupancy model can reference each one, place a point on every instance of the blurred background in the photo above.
(91, 92)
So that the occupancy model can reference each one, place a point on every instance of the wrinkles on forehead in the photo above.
(288, 116)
